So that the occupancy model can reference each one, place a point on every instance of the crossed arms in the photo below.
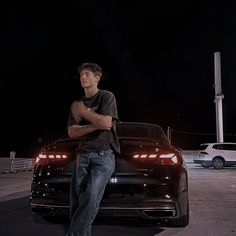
(98, 121)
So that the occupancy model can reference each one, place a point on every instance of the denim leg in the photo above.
(102, 168)
(99, 172)
(78, 181)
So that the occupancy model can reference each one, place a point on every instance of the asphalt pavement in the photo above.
(212, 209)
(15, 185)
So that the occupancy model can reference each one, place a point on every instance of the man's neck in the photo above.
(89, 92)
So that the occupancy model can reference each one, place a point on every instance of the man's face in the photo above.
(88, 79)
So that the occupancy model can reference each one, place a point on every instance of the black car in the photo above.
(150, 178)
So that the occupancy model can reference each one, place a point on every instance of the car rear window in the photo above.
(217, 146)
(142, 131)
(203, 147)
(134, 130)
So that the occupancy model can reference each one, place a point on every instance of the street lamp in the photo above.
(218, 98)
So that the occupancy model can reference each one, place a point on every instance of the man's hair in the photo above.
(95, 68)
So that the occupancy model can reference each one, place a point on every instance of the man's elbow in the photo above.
(71, 132)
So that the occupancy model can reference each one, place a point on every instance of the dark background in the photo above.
(158, 60)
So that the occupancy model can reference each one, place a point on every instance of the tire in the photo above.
(56, 218)
(205, 166)
(218, 163)
(40, 219)
(182, 221)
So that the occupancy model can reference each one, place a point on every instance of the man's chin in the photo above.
(85, 86)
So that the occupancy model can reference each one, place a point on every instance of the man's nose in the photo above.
(83, 77)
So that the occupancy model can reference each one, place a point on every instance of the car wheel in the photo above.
(182, 221)
(40, 219)
(49, 219)
(218, 163)
(205, 166)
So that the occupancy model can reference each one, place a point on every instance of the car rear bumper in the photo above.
(160, 209)
(163, 203)
(150, 196)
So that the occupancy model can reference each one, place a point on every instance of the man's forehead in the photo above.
(85, 70)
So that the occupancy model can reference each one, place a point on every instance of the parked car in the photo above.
(150, 178)
(216, 155)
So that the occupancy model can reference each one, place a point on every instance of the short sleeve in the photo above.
(108, 105)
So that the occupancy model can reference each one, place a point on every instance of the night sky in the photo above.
(158, 59)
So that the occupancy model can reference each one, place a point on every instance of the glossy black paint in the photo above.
(147, 188)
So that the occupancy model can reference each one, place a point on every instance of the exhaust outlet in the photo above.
(155, 214)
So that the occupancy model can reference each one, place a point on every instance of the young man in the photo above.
(93, 119)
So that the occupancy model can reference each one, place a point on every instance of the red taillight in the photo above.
(147, 156)
(163, 158)
(170, 157)
(51, 157)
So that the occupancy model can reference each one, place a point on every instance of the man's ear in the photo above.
(98, 78)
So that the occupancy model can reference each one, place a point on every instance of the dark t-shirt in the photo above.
(104, 103)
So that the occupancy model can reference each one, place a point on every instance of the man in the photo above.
(93, 119)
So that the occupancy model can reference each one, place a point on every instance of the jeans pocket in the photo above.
(109, 151)
(110, 154)
(111, 160)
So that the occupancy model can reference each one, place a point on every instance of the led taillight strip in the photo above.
(145, 156)
(51, 156)
(136, 156)
(166, 156)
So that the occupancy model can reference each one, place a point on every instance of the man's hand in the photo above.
(77, 109)
(102, 122)
(106, 124)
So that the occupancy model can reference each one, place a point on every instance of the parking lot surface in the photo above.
(212, 208)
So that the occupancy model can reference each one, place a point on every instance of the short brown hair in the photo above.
(95, 68)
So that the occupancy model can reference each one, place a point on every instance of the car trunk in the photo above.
(133, 181)
(138, 179)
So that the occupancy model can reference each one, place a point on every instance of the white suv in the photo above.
(216, 155)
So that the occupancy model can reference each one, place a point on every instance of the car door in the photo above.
(217, 150)
(230, 152)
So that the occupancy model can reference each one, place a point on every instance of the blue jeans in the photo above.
(90, 175)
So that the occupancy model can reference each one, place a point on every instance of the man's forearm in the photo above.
(76, 131)
(95, 118)
(101, 121)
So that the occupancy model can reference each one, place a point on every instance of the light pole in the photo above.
(218, 98)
